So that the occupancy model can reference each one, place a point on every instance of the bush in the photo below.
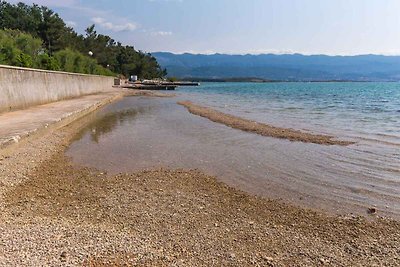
(24, 60)
(47, 62)
(18, 49)
(23, 50)
(66, 59)
(8, 50)
(73, 61)
(27, 44)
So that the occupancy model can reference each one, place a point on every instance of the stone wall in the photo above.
(23, 87)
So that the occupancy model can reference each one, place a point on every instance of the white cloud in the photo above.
(161, 33)
(98, 20)
(203, 52)
(129, 26)
(70, 23)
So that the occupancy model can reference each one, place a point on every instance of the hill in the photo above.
(290, 67)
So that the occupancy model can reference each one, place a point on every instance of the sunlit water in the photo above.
(139, 132)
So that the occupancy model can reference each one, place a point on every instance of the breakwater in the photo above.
(24, 87)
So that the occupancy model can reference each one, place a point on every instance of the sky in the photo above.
(333, 27)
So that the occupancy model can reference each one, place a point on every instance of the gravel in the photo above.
(53, 213)
(261, 128)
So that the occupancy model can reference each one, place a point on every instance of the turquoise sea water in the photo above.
(143, 132)
(369, 111)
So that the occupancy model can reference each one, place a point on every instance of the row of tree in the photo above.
(35, 36)
(23, 50)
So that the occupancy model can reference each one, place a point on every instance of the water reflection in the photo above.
(110, 118)
(107, 123)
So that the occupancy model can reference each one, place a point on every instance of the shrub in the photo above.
(47, 62)
(23, 50)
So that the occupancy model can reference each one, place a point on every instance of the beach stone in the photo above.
(63, 256)
(371, 210)
(323, 261)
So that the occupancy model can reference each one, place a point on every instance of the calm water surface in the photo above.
(139, 132)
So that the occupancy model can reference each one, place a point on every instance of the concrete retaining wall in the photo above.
(23, 87)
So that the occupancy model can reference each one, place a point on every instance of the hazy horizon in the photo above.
(278, 54)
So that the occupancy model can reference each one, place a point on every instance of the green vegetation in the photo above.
(19, 49)
(173, 79)
(34, 36)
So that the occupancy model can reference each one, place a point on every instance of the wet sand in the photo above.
(55, 213)
(261, 128)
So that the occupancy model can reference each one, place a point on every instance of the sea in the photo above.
(138, 133)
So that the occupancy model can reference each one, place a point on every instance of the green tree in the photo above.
(18, 49)
(48, 43)
(52, 30)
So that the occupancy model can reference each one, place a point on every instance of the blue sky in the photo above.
(334, 27)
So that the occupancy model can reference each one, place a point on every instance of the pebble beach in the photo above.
(54, 213)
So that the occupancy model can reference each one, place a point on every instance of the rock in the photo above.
(323, 261)
(371, 210)
(268, 259)
(63, 256)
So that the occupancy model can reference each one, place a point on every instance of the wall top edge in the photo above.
(52, 71)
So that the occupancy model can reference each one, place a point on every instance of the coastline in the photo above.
(57, 213)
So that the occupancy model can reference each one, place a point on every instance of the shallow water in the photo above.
(140, 132)
(358, 110)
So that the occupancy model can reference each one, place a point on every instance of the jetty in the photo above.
(142, 86)
(154, 85)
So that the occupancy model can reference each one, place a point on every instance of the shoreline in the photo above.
(60, 214)
(261, 128)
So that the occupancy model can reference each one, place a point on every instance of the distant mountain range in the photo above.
(294, 67)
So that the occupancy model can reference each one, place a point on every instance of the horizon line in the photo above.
(276, 54)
